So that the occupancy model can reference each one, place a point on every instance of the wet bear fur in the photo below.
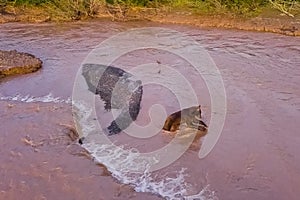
(191, 117)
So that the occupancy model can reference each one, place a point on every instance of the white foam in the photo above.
(126, 165)
(204, 194)
(82, 115)
(49, 98)
(130, 167)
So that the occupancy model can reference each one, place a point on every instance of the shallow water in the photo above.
(257, 154)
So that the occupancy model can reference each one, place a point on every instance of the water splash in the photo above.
(49, 98)
(205, 194)
(130, 167)
(122, 162)
(83, 117)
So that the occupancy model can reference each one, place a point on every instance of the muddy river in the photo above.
(256, 156)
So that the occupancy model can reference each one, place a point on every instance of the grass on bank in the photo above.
(79, 9)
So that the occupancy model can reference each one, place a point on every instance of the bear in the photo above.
(191, 117)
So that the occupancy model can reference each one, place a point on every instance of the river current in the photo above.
(257, 154)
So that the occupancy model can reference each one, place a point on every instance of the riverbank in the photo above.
(255, 157)
(282, 25)
(267, 21)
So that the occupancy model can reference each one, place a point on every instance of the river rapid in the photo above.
(256, 157)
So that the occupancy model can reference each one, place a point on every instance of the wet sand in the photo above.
(255, 158)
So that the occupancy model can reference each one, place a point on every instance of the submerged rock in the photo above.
(118, 89)
(13, 62)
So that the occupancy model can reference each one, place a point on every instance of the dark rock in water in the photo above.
(80, 140)
(13, 62)
(118, 89)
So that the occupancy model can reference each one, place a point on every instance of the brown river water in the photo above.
(256, 156)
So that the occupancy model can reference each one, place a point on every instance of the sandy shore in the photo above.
(281, 25)
(275, 22)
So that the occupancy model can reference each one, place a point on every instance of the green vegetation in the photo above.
(238, 7)
(78, 9)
